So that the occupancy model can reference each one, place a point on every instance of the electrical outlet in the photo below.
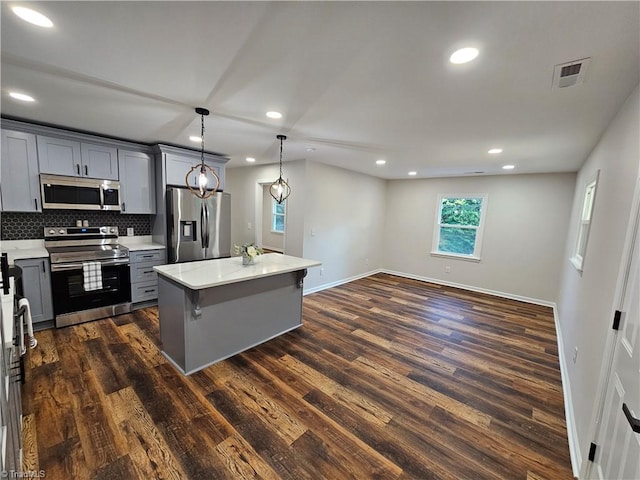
(447, 269)
(248, 225)
(321, 271)
(575, 354)
(129, 231)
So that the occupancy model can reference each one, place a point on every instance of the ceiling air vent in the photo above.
(570, 74)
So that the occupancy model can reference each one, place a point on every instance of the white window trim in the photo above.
(584, 225)
(273, 214)
(475, 256)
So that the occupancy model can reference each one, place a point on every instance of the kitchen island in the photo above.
(210, 310)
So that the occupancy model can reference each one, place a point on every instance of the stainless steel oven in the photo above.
(73, 253)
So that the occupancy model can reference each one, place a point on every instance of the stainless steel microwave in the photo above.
(79, 193)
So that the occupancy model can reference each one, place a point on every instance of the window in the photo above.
(277, 217)
(459, 225)
(585, 222)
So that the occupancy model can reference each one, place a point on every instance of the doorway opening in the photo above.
(270, 219)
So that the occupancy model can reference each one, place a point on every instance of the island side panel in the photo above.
(172, 309)
(239, 316)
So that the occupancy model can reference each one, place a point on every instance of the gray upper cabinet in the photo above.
(137, 182)
(60, 156)
(99, 161)
(177, 167)
(20, 188)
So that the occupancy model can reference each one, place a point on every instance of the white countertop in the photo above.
(223, 271)
(21, 249)
(142, 242)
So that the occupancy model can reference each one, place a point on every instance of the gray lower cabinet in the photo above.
(144, 280)
(36, 285)
(60, 156)
(137, 182)
(19, 170)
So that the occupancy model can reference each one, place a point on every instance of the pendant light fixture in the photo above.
(280, 189)
(204, 188)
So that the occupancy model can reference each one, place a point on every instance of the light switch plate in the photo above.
(129, 231)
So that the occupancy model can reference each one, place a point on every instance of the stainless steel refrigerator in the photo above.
(197, 229)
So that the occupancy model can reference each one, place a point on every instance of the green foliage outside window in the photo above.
(461, 211)
(459, 222)
(457, 240)
(278, 210)
(278, 223)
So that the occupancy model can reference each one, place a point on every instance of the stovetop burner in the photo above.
(83, 244)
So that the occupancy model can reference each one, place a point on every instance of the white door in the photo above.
(618, 446)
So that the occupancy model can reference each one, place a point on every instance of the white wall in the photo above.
(361, 223)
(586, 300)
(271, 240)
(523, 244)
(343, 223)
(344, 209)
(242, 184)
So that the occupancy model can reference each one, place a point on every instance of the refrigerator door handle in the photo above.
(204, 225)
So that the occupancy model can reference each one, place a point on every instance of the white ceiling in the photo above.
(357, 81)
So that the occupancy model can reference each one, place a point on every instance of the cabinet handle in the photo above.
(35, 201)
(78, 168)
(43, 267)
(123, 207)
(147, 256)
(86, 170)
(148, 271)
(149, 291)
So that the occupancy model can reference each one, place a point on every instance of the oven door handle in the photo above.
(78, 265)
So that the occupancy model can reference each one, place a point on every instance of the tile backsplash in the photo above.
(25, 226)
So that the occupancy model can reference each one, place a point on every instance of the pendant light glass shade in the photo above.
(280, 189)
(207, 180)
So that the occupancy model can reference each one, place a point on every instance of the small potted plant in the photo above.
(249, 252)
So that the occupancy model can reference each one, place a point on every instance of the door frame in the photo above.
(633, 229)
(258, 212)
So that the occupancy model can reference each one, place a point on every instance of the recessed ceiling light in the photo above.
(33, 17)
(494, 151)
(274, 115)
(508, 167)
(250, 159)
(412, 173)
(23, 97)
(380, 162)
(463, 55)
(311, 149)
(195, 138)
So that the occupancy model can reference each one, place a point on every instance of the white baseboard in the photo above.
(572, 433)
(495, 293)
(325, 286)
(535, 301)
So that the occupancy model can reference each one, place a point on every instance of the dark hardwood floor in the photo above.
(388, 378)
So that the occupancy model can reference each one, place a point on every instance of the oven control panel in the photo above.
(80, 232)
